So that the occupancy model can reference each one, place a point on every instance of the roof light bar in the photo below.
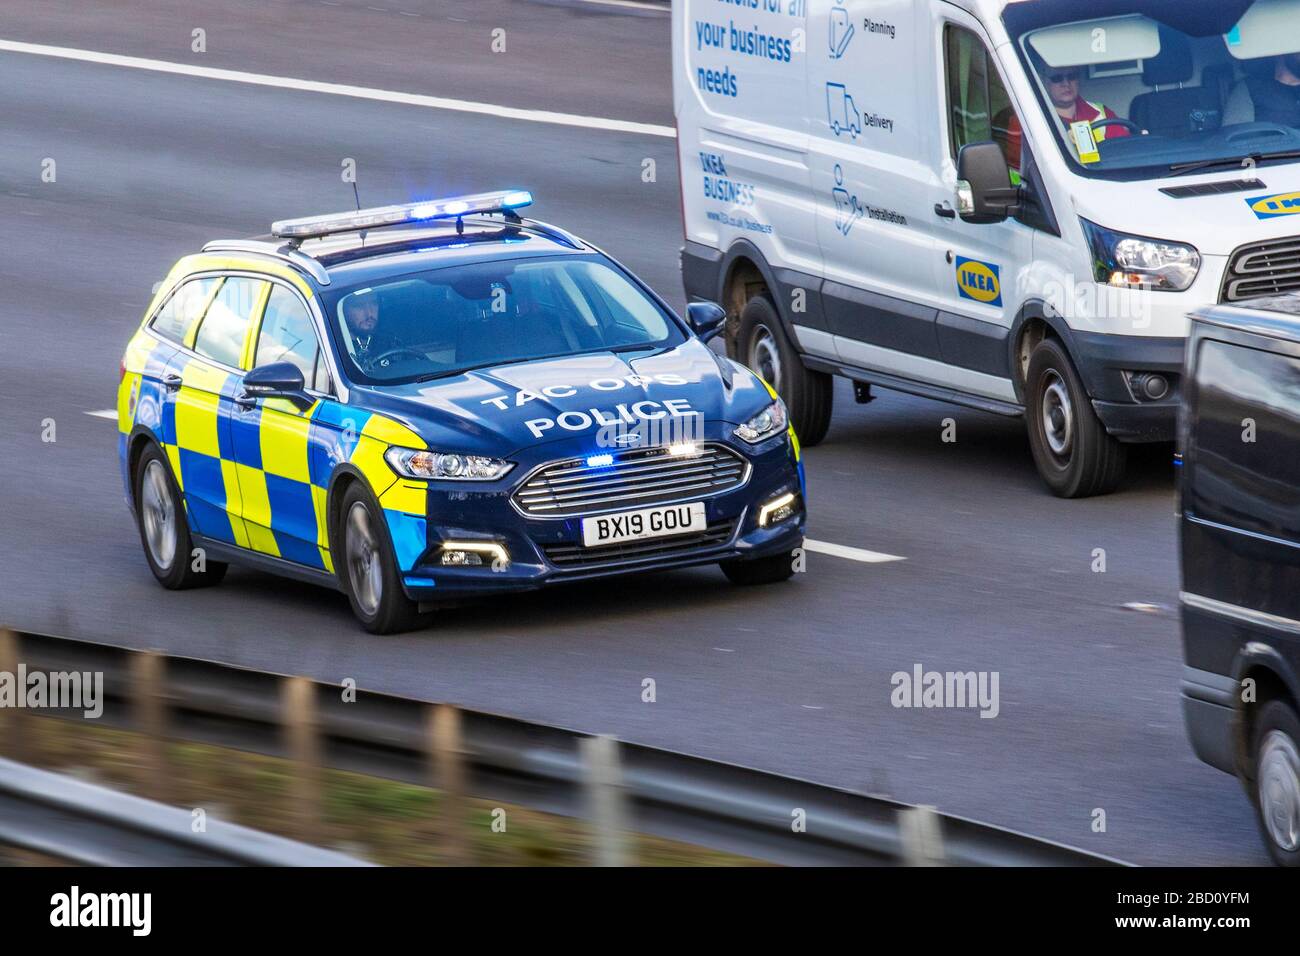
(451, 208)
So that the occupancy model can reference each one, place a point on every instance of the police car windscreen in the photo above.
(1149, 89)
(438, 323)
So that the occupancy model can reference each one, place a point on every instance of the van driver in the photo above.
(1062, 85)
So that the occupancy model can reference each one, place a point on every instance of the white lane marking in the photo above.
(339, 89)
(109, 413)
(853, 554)
(634, 4)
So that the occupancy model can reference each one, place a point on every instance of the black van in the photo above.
(1239, 524)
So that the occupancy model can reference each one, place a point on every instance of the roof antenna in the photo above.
(356, 194)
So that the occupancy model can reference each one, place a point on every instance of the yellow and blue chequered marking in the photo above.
(259, 477)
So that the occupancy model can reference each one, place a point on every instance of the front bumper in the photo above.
(546, 551)
(1102, 361)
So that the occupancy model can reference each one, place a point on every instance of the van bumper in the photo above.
(1102, 361)
(1209, 715)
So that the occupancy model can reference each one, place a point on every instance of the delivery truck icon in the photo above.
(841, 112)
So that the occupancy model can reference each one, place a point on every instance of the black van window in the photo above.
(1246, 457)
(979, 108)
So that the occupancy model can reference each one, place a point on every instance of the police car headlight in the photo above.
(444, 466)
(770, 421)
(1135, 262)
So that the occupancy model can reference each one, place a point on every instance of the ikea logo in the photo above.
(979, 281)
(1279, 204)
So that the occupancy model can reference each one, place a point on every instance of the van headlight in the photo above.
(770, 421)
(445, 466)
(1136, 262)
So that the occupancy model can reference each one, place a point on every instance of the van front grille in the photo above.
(1262, 268)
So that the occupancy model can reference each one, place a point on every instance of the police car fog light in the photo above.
(778, 509)
(462, 558)
(473, 554)
(684, 449)
(445, 466)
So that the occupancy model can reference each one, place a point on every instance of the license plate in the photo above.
(645, 523)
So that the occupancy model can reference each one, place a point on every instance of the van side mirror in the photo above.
(706, 319)
(277, 380)
(984, 190)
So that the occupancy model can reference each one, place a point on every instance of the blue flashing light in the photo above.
(599, 461)
(455, 207)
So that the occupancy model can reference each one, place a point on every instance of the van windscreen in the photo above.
(1139, 89)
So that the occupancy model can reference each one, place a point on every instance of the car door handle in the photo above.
(172, 380)
(245, 401)
(944, 211)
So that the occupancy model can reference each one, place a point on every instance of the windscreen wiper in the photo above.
(1233, 161)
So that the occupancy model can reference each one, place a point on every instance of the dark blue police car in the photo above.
(438, 400)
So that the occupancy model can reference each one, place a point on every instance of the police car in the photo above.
(436, 400)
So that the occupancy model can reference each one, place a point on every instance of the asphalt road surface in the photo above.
(796, 678)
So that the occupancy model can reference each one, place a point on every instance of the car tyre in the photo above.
(765, 349)
(768, 570)
(164, 528)
(1276, 786)
(1073, 452)
(367, 567)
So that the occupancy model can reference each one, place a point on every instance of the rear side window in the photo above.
(289, 335)
(183, 308)
(221, 336)
(1246, 442)
(979, 108)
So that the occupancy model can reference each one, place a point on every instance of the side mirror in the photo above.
(277, 380)
(984, 190)
(706, 319)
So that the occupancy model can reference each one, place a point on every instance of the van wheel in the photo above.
(368, 570)
(765, 349)
(164, 529)
(1071, 448)
(1277, 781)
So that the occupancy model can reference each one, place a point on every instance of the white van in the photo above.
(1007, 205)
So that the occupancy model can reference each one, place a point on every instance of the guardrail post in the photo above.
(152, 780)
(921, 831)
(11, 718)
(606, 801)
(447, 770)
(302, 736)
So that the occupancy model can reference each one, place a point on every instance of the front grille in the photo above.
(636, 478)
(1262, 268)
(570, 556)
